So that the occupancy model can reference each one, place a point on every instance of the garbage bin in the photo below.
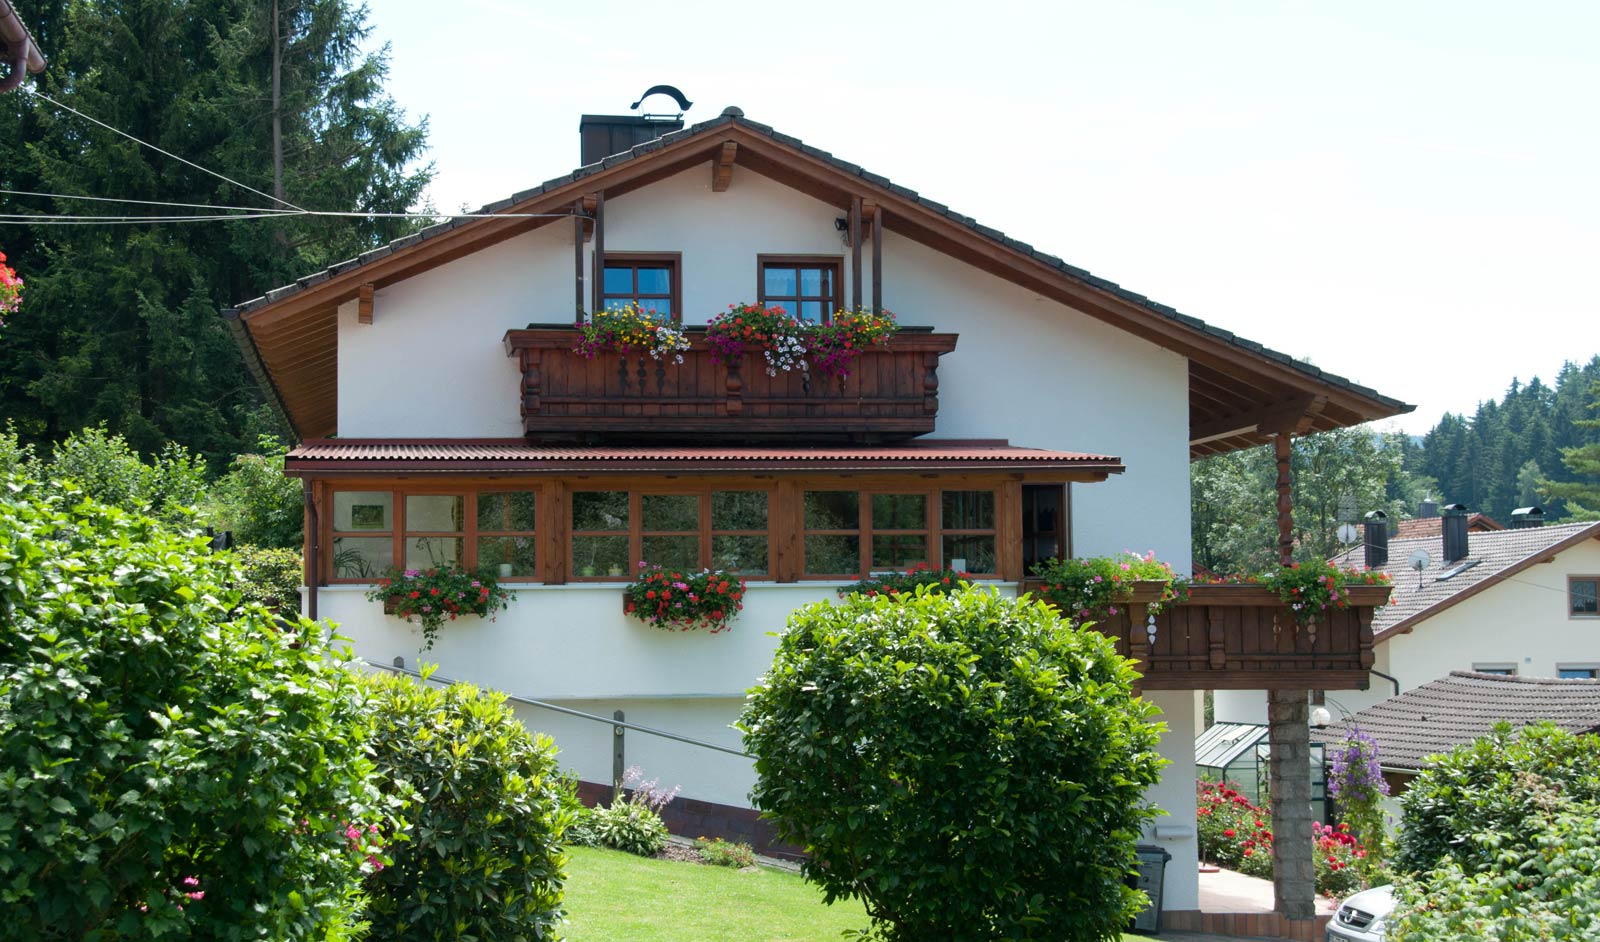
(1152, 873)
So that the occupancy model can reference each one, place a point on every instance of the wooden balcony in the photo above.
(892, 392)
(1241, 637)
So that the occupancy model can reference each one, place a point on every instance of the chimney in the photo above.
(1430, 508)
(605, 134)
(1455, 533)
(1526, 518)
(1376, 538)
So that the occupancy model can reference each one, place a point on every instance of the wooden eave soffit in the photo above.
(587, 207)
(1293, 417)
(364, 302)
(722, 169)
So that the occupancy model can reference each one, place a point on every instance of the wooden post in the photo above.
(577, 258)
(1282, 447)
(598, 291)
(855, 252)
(877, 258)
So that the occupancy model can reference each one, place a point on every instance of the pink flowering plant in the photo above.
(10, 290)
(632, 328)
(1097, 587)
(677, 600)
(834, 346)
(788, 344)
(1309, 589)
(431, 597)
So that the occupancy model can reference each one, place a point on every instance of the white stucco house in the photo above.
(442, 411)
(1519, 602)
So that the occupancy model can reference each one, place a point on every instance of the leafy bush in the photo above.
(721, 853)
(484, 857)
(270, 578)
(1542, 884)
(581, 832)
(969, 765)
(257, 501)
(170, 764)
(1340, 859)
(1097, 586)
(111, 472)
(632, 827)
(1494, 785)
(906, 583)
(1233, 832)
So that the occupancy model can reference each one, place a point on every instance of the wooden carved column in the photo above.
(1282, 448)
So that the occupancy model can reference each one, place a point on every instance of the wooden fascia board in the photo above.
(905, 215)
(722, 170)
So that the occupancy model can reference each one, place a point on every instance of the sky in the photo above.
(1407, 194)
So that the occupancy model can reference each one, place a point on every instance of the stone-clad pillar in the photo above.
(1294, 878)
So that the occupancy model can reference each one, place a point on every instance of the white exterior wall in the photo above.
(1176, 796)
(1522, 621)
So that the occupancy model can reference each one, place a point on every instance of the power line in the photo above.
(26, 220)
(38, 94)
(255, 212)
(113, 199)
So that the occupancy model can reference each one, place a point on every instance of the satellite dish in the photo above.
(1347, 533)
(1419, 561)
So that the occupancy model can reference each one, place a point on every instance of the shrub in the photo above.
(632, 827)
(484, 857)
(1494, 785)
(270, 578)
(721, 853)
(257, 501)
(111, 472)
(581, 832)
(968, 765)
(906, 583)
(1233, 832)
(1542, 884)
(1339, 859)
(171, 764)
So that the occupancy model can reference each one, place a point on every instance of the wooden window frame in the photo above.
(993, 531)
(477, 533)
(396, 544)
(636, 532)
(932, 531)
(399, 534)
(1572, 580)
(672, 261)
(836, 262)
(1063, 531)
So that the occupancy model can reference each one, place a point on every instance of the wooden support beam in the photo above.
(599, 252)
(869, 212)
(364, 303)
(587, 206)
(877, 258)
(1293, 416)
(580, 230)
(1282, 451)
(722, 170)
(855, 253)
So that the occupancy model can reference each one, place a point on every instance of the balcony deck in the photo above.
(1241, 637)
(891, 394)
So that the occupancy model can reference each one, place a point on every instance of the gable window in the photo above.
(1504, 670)
(650, 280)
(1578, 671)
(1583, 596)
(807, 287)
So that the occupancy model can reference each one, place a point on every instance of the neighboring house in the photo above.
(1456, 709)
(1520, 602)
(1431, 524)
(445, 416)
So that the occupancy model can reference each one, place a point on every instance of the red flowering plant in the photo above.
(10, 290)
(835, 345)
(938, 581)
(1339, 858)
(1100, 586)
(744, 328)
(430, 597)
(1307, 589)
(631, 327)
(675, 600)
(1233, 832)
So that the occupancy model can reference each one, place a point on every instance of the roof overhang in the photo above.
(18, 44)
(1240, 393)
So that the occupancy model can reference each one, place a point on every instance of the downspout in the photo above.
(313, 565)
(25, 56)
(1391, 680)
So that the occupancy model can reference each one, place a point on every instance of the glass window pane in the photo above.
(600, 556)
(508, 557)
(435, 513)
(600, 510)
(1576, 673)
(811, 311)
(670, 512)
(898, 552)
(661, 307)
(826, 280)
(674, 552)
(655, 281)
(612, 304)
(899, 512)
(833, 555)
(810, 282)
(619, 279)
(738, 510)
(1585, 596)
(968, 510)
(779, 282)
(969, 553)
(362, 510)
(361, 557)
(508, 510)
(788, 306)
(833, 510)
(433, 552)
(742, 554)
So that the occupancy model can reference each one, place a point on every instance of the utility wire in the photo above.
(112, 199)
(254, 212)
(24, 220)
(41, 95)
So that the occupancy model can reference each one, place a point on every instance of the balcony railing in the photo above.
(891, 393)
(1241, 637)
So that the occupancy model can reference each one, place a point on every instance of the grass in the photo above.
(617, 897)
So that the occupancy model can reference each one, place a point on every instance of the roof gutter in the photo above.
(258, 369)
(21, 51)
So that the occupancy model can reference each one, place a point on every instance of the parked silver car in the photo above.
(1361, 917)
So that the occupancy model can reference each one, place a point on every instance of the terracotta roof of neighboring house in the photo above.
(1434, 526)
(1448, 712)
(289, 330)
(1492, 558)
(344, 454)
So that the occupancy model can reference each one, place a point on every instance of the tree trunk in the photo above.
(1294, 878)
(277, 105)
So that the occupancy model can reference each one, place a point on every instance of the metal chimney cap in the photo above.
(1457, 509)
(1376, 515)
(1534, 511)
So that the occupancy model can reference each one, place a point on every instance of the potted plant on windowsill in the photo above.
(675, 600)
(630, 327)
(430, 597)
(1098, 587)
(1311, 589)
(788, 344)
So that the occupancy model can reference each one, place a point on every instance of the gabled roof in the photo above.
(1240, 391)
(1221, 743)
(515, 454)
(1493, 558)
(1434, 526)
(1452, 711)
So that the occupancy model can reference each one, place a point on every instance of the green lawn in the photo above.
(617, 897)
